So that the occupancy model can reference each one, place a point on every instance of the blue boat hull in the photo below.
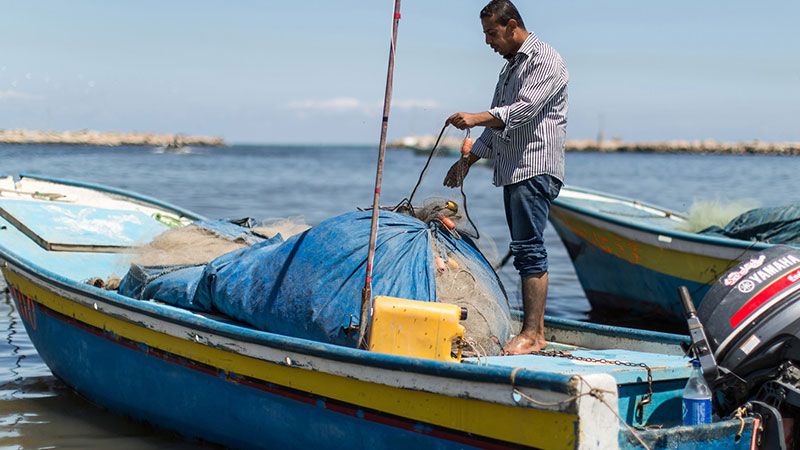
(646, 292)
(173, 393)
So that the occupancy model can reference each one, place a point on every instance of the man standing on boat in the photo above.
(525, 133)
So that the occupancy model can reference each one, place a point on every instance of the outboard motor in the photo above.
(746, 334)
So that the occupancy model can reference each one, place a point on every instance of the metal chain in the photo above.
(565, 354)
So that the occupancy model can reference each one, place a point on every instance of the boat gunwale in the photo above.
(684, 235)
(471, 372)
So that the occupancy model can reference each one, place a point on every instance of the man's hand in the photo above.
(455, 176)
(465, 121)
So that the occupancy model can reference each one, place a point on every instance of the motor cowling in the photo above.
(752, 313)
(751, 317)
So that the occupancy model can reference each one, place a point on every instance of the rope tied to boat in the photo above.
(565, 354)
(594, 392)
(740, 414)
(598, 394)
(475, 346)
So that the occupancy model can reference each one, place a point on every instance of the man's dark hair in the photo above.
(502, 11)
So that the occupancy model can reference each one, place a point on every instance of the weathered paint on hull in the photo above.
(228, 398)
(619, 272)
(645, 292)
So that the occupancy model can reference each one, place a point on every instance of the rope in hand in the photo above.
(424, 169)
(465, 150)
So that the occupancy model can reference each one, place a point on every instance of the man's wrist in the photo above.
(487, 119)
(470, 159)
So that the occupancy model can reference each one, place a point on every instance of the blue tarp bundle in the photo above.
(309, 286)
(773, 225)
(175, 285)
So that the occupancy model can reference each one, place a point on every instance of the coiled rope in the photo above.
(407, 202)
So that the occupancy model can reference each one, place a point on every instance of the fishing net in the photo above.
(488, 322)
(773, 225)
(286, 227)
(190, 245)
(202, 242)
(708, 212)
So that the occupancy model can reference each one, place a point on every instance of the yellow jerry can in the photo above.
(416, 328)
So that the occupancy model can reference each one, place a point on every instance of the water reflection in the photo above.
(39, 411)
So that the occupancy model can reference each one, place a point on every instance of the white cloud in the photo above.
(415, 104)
(17, 95)
(339, 104)
(351, 104)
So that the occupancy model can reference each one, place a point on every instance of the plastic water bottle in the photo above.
(696, 398)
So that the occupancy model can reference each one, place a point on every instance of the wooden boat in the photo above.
(211, 378)
(632, 256)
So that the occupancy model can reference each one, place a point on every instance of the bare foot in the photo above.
(523, 344)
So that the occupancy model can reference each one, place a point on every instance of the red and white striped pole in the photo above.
(366, 293)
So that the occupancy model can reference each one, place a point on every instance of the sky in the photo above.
(314, 71)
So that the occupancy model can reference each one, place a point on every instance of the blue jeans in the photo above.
(527, 205)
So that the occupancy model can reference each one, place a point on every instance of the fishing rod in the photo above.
(366, 292)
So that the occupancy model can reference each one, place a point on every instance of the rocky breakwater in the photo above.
(704, 146)
(107, 138)
(453, 143)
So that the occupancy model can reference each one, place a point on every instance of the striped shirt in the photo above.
(531, 100)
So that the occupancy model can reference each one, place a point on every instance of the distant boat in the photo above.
(207, 376)
(449, 145)
(632, 256)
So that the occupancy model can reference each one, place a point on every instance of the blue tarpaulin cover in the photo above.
(175, 285)
(773, 225)
(309, 286)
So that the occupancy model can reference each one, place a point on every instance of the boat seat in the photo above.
(80, 228)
